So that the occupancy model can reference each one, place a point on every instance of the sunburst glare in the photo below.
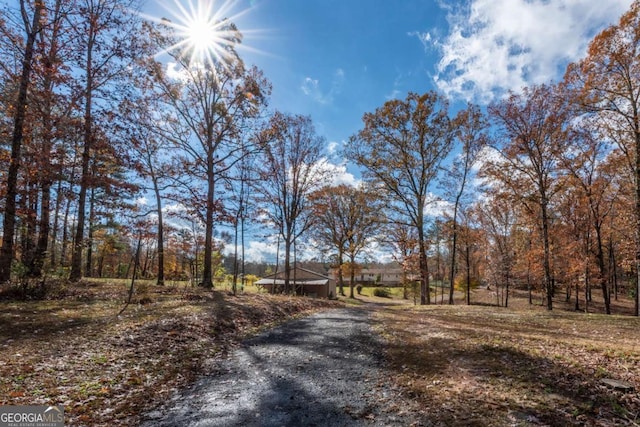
(204, 30)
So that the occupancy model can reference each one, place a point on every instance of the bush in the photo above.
(382, 292)
(359, 289)
(461, 282)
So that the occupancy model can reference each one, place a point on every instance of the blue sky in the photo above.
(337, 59)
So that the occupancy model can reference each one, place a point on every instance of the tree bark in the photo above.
(76, 257)
(207, 271)
(548, 282)
(425, 292)
(454, 238)
(340, 275)
(160, 243)
(91, 225)
(9, 221)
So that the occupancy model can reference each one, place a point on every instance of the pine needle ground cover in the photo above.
(73, 349)
(490, 366)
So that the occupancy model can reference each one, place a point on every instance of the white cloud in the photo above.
(261, 251)
(338, 173)
(397, 84)
(437, 207)
(332, 147)
(311, 87)
(395, 93)
(425, 38)
(174, 208)
(499, 45)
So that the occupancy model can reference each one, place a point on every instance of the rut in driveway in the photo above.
(323, 370)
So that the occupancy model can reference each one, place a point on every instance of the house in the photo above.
(305, 282)
(391, 276)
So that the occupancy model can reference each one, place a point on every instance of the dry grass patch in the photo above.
(106, 369)
(490, 366)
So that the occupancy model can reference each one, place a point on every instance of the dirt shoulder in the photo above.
(107, 369)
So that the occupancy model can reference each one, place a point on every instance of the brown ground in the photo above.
(482, 365)
(455, 365)
(106, 369)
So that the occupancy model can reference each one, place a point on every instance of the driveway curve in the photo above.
(322, 370)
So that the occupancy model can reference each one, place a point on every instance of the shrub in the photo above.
(461, 282)
(382, 292)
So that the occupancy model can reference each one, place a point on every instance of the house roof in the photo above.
(310, 272)
(292, 282)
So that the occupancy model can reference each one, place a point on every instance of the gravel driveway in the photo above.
(323, 370)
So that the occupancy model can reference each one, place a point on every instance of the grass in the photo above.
(368, 291)
(106, 369)
(482, 365)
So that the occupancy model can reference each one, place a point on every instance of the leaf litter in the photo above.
(107, 369)
(483, 365)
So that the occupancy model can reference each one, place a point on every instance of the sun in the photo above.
(203, 30)
(202, 35)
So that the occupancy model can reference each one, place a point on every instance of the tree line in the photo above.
(540, 189)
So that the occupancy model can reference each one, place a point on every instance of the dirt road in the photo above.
(323, 370)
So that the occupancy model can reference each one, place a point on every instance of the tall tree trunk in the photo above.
(340, 275)
(613, 269)
(244, 276)
(529, 290)
(65, 234)
(275, 274)
(637, 212)
(54, 229)
(100, 266)
(602, 278)
(91, 225)
(287, 264)
(587, 285)
(234, 285)
(506, 298)
(352, 277)
(160, 243)
(47, 144)
(9, 221)
(76, 257)
(468, 262)
(425, 292)
(40, 252)
(29, 225)
(454, 238)
(548, 281)
(207, 273)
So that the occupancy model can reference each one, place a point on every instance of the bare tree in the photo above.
(290, 171)
(533, 130)
(401, 147)
(346, 220)
(104, 53)
(605, 84)
(470, 130)
(212, 101)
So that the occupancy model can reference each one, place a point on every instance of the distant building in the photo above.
(380, 276)
(305, 282)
